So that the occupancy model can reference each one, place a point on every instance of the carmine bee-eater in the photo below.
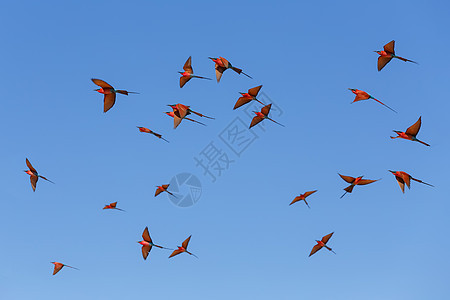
(147, 244)
(410, 133)
(264, 114)
(322, 243)
(222, 64)
(387, 54)
(146, 130)
(110, 93)
(249, 96)
(354, 181)
(404, 178)
(172, 114)
(163, 188)
(181, 111)
(183, 248)
(59, 266)
(112, 206)
(361, 95)
(34, 176)
(188, 73)
(303, 197)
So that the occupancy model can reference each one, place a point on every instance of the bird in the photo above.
(404, 178)
(303, 197)
(387, 54)
(181, 111)
(411, 132)
(183, 248)
(188, 73)
(361, 95)
(172, 114)
(354, 181)
(222, 64)
(249, 96)
(322, 243)
(34, 176)
(146, 130)
(262, 115)
(59, 266)
(109, 92)
(112, 206)
(162, 188)
(147, 244)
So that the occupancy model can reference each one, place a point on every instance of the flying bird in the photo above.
(109, 92)
(34, 176)
(249, 96)
(222, 64)
(147, 244)
(188, 73)
(322, 243)
(181, 111)
(303, 197)
(59, 266)
(354, 181)
(172, 114)
(264, 114)
(410, 133)
(361, 95)
(112, 206)
(387, 54)
(404, 178)
(183, 248)
(146, 130)
(163, 188)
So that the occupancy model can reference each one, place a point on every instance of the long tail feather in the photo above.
(405, 59)
(275, 122)
(383, 104)
(201, 77)
(418, 180)
(423, 143)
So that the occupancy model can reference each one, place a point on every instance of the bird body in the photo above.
(188, 73)
(361, 95)
(387, 54)
(146, 130)
(34, 176)
(180, 111)
(302, 197)
(404, 178)
(112, 206)
(353, 182)
(183, 248)
(322, 243)
(162, 188)
(262, 115)
(411, 132)
(249, 96)
(222, 65)
(147, 244)
(110, 93)
(59, 266)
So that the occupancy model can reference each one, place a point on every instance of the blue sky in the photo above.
(250, 242)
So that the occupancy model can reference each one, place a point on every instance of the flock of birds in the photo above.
(180, 112)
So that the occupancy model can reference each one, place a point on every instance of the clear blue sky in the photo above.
(251, 244)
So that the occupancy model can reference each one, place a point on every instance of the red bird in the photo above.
(361, 95)
(146, 130)
(34, 176)
(188, 73)
(404, 178)
(321, 244)
(222, 64)
(354, 181)
(163, 188)
(183, 248)
(387, 54)
(110, 93)
(303, 197)
(59, 266)
(249, 96)
(112, 206)
(410, 133)
(262, 116)
(181, 111)
(172, 114)
(147, 244)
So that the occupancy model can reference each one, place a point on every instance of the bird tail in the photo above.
(195, 121)
(423, 143)
(348, 189)
(418, 180)
(237, 70)
(404, 59)
(123, 92)
(276, 122)
(330, 249)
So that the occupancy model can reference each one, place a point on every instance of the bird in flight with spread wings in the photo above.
(322, 243)
(387, 54)
(109, 93)
(188, 73)
(410, 133)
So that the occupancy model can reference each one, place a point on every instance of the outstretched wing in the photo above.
(266, 109)
(255, 121)
(176, 252)
(401, 183)
(382, 61)
(146, 251)
(146, 236)
(101, 83)
(315, 249)
(57, 268)
(326, 238)
(108, 101)
(254, 91)
(309, 193)
(30, 166)
(414, 129)
(183, 80)
(187, 66)
(33, 180)
(365, 181)
(348, 179)
(241, 101)
(389, 47)
(296, 199)
(158, 191)
(219, 72)
(186, 242)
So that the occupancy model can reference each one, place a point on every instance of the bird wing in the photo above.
(108, 101)
(57, 268)
(146, 235)
(165, 186)
(187, 66)
(401, 183)
(101, 83)
(186, 242)
(241, 101)
(113, 205)
(176, 252)
(309, 193)
(406, 179)
(182, 110)
(389, 47)
(348, 179)
(176, 121)
(30, 166)
(254, 91)
(33, 180)
(158, 191)
(183, 80)
(326, 238)
(414, 129)
(225, 62)
(365, 181)
(315, 249)
(255, 121)
(382, 61)
(361, 96)
(266, 109)
(146, 251)
(296, 199)
(219, 72)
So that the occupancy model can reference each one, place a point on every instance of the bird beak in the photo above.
(391, 171)
(96, 89)
(180, 72)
